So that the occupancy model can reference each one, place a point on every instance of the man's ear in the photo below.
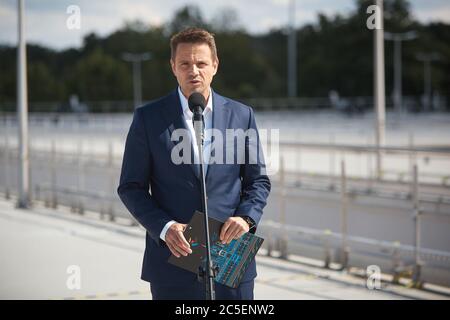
(172, 65)
(216, 65)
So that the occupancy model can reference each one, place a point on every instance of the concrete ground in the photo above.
(46, 254)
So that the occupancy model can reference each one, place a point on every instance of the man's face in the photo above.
(194, 68)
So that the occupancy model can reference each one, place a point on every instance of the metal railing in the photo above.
(410, 154)
(418, 263)
(345, 104)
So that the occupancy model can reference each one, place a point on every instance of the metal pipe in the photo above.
(398, 38)
(136, 60)
(398, 75)
(417, 235)
(292, 53)
(54, 201)
(111, 178)
(379, 89)
(344, 214)
(22, 116)
(80, 177)
(427, 59)
(6, 159)
(282, 213)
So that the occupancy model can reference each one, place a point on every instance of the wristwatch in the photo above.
(250, 222)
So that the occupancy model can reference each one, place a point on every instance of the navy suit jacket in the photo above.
(232, 189)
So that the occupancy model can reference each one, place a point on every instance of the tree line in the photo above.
(334, 53)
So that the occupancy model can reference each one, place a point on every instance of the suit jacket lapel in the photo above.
(173, 115)
(221, 118)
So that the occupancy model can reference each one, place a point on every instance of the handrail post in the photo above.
(282, 215)
(332, 157)
(80, 177)
(7, 159)
(417, 236)
(344, 213)
(54, 201)
(111, 179)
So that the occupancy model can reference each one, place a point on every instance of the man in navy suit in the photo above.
(236, 191)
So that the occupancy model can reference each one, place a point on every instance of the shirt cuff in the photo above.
(164, 230)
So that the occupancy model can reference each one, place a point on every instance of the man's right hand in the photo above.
(176, 241)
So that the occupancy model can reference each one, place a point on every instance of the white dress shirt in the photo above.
(187, 115)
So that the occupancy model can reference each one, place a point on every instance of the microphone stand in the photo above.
(209, 274)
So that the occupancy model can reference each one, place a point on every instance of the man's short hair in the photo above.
(193, 35)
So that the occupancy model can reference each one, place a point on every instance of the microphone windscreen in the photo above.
(196, 100)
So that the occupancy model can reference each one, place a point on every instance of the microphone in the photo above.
(206, 272)
(197, 104)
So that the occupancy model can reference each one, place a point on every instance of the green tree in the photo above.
(101, 77)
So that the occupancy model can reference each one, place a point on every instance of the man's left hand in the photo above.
(233, 228)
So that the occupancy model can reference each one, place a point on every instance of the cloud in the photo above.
(433, 14)
(8, 24)
(46, 19)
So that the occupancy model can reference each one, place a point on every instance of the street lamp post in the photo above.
(397, 38)
(22, 113)
(292, 53)
(427, 58)
(136, 59)
(379, 90)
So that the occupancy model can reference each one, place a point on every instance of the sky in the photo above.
(46, 19)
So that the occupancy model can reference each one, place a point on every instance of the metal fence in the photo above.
(87, 181)
(348, 105)
(348, 251)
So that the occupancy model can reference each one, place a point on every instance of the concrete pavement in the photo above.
(45, 254)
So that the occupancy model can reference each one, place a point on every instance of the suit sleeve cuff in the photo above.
(164, 230)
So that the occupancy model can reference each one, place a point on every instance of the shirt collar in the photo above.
(185, 104)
